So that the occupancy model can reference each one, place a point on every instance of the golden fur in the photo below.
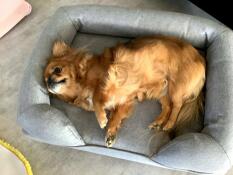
(163, 68)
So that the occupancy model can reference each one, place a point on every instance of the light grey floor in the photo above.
(15, 49)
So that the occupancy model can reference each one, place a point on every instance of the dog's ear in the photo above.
(60, 48)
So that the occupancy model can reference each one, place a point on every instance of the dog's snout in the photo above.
(50, 81)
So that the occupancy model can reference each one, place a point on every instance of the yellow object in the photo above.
(19, 155)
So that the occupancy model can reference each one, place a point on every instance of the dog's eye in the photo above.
(57, 70)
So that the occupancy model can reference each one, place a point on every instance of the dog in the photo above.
(164, 68)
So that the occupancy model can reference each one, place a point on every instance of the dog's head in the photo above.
(64, 69)
(59, 74)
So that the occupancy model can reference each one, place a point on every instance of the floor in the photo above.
(15, 49)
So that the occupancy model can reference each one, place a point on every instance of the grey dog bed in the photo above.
(52, 121)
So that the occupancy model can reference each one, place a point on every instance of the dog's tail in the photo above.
(191, 116)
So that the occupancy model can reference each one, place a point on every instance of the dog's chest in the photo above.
(115, 100)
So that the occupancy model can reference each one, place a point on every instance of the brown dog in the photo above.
(162, 68)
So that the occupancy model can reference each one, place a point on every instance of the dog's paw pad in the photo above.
(110, 140)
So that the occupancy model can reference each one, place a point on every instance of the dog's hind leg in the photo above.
(176, 107)
(164, 115)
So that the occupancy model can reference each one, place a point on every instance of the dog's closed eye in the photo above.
(62, 81)
(57, 70)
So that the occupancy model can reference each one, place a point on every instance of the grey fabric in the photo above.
(134, 135)
(215, 144)
(134, 23)
(126, 155)
(53, 126)
(219, 92)
(205, 153)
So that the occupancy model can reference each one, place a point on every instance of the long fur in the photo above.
(191, 117)
(163, 68)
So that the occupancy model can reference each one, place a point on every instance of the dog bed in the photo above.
(52, 121)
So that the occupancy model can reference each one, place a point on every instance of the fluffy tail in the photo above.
(191, 116)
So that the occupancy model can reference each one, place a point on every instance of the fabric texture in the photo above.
(95, 27)
(199, 155)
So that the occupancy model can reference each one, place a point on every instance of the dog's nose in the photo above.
(50, 81)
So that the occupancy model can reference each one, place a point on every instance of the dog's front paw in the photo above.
(110, 140)
(102, 120)
(103, 123)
